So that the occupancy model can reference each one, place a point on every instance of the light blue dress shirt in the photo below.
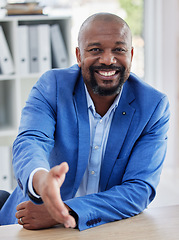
(99, 131)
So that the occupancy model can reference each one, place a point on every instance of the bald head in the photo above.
(105, 18)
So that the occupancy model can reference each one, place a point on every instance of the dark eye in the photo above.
(120, 50)
(95, 50)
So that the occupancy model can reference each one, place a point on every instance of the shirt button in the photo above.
(96, 147)
(92, 172)
(101, 121)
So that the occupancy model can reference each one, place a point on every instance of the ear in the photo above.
(78, 56)
(132, 53)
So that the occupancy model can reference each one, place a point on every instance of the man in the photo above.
(92, 138)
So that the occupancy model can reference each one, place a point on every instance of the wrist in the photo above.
(39, 180)
(37, 200)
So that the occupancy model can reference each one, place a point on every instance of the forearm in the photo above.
(117, 203)
(35, 140)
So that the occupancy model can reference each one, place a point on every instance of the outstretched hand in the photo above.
(47, 185)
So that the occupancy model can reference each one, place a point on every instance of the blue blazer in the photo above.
(55, 128)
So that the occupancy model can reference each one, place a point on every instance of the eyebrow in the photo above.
(120, 42)
(94, 44)
(99, 44)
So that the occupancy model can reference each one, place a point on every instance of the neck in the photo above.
(101, 103)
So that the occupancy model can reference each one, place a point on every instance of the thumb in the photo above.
(60, 171)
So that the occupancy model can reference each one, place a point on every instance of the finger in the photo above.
(56, 207)
(62, 215)
(19, 214)
(19, 222)
(70, 222)
(21, 206)
(58, 210)
(22, 220)
(29, 226)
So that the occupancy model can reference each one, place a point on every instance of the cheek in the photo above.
(84, 69)
(125, 60)
(127, 64)
(89, 60)
(85, 64)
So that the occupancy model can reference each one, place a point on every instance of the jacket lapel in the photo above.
(119, 128)
(84, 131)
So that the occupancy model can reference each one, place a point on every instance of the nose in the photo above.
(107, 58)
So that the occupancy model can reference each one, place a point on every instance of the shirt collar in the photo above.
(91, 104)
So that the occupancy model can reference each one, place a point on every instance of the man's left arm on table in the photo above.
(138, 185)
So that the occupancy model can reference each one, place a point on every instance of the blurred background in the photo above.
(155, 29)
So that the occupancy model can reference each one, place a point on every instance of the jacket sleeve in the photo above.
(35, 139)
(140, 179)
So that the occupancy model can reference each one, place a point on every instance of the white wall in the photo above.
(170, 62)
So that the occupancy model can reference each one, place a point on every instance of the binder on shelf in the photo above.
(6, 62)
(5, 168)
(59, 51)
(44, 47)
(23, 49)
(33, 48)
(3, 111)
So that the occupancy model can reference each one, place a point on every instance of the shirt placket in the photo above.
(94, 161)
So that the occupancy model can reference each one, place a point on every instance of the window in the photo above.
(133, 15)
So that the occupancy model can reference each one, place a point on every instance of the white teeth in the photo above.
(107, 74)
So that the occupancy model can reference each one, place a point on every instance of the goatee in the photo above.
(102, 91)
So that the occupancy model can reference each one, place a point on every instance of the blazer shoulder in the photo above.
(56, 81)
(63, 76)
(143, 90)
(146, 99)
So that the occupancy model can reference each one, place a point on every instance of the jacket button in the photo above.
(88, 223)
(99, 219)
(93, 221)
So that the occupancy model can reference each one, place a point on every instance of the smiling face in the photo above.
(105, 55)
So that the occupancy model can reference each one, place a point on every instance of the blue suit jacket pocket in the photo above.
(117, 172)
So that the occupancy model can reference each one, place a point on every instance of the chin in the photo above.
(107, 91)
